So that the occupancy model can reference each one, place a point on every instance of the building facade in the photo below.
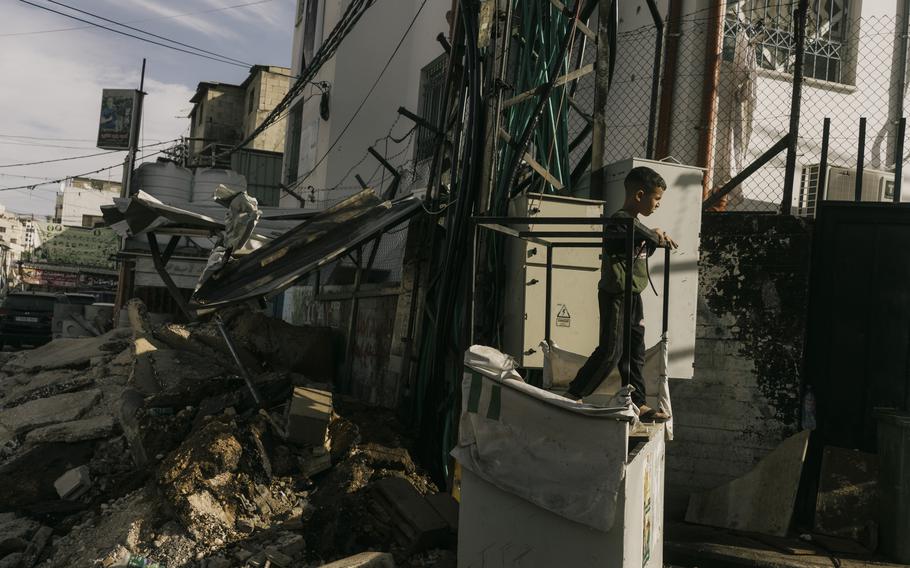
(80, 200)
(327, 140)
(224, 114)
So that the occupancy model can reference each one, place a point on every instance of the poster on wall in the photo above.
(117, 107)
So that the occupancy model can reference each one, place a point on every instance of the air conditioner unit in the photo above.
(840, 185)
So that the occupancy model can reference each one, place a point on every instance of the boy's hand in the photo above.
(665, 239)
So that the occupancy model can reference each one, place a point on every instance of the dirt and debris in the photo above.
(144, 447)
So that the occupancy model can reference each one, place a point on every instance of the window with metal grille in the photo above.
(430, 105)
(294, 130)
(769, 25)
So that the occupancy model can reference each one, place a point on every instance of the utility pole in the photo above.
(125, 272)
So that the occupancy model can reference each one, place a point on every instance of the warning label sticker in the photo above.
(563, 317)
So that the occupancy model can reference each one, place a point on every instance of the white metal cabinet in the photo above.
(574, 320)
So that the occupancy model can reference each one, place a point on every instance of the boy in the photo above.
(644, 190)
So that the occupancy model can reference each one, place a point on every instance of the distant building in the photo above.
(225, 114)
(80, 199)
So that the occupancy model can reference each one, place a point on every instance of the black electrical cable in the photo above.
(82, 156)
(369, 93)
(175, 16)
(326, 51)
(135, 29)
(118, 165)
(131, 35)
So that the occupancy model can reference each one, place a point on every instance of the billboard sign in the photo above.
(117, 109)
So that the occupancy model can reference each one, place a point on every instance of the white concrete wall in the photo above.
(79, 201)
(351, 73)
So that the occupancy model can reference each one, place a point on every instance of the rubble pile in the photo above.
(145, 447)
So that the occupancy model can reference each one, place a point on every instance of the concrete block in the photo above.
(74, 483)
(45, 411)
(364, 560)
(308, 416)
(760, 501)
(417, 525)
(446, 507)
(74, 431)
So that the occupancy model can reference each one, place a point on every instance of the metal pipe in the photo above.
(713, 41)
(903, 20)
(627, 305)
(665, 321)
(544, 97)
(664, 114)
(822, 192)
(715, 197)
(786, 203)
(860, 160)
(549, 293)
(243, 372)
(899, 158)
(655, 76)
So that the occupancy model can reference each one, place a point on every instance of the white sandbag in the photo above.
(564, 456)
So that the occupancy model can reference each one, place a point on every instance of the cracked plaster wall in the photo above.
(744, 397)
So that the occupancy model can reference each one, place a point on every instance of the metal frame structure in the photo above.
(612, 230)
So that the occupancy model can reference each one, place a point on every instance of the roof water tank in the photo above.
(208, 179)
(165, 181)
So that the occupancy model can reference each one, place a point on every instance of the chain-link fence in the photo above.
(851, 68)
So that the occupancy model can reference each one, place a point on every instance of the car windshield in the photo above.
(81, 299)
(29, 303)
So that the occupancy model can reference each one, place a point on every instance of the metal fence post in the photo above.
(899, 158)
(860, 160)
(790, 168)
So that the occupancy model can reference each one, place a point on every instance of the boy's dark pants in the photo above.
(609, 350)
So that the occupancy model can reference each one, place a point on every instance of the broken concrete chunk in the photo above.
(417, 525)
(74, 483)
(36, 546)
(74, 431)
(13, 560)
(68, 353)
(308, 416)
(315, 464)
(446, 507)
(16, 528)
(45, 411)
(760, 501)
(364, 560)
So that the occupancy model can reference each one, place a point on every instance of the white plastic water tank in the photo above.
(207, 179)
(165, 181)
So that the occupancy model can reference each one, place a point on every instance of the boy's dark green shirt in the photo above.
(613, 277)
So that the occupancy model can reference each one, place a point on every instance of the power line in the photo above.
(102, 18)
(142, 20)
(369, 93)
(64, 14)
(46, 138)
(117, 165)
(80, 157)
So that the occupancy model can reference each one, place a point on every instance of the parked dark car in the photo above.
(26, 317)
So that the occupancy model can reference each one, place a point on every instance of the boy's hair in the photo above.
(644, 179)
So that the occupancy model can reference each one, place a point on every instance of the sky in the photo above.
(53, 76)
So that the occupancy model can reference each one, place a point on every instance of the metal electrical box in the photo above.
(679, 215)
(574, 320)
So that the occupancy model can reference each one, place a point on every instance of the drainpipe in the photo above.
(713, 42)
(674, 17)
(902, 70)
